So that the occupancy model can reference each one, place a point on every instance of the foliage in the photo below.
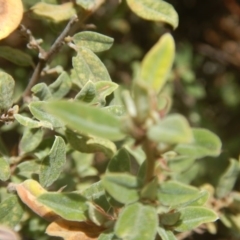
(97, 160)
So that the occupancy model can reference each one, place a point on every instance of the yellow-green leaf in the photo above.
(158, 62)
(53, 12)
(155, 10)
(4, 170)
(93, 41)
(6, 91)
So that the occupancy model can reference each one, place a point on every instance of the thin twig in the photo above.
(45, 57)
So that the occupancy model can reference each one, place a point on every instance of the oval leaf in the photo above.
(89, 67)
(11, 211)
(205, 143)
(11, 16)
(27, 122)
(4, 169)
(126, 184)
(228, 179)
(70, 206)
(90, 144)
(53, 12)
(28, 191)
(155, 10)
(166, 234)
(38, 111)
(137, 221)
(61, 86)
(16, 56)
(87, 93)
(92, 40)
(173, 129)
(6, 91)
(175, 194)
(86, 119)
(192, 217)
(158, 62)
(120, 162)
(53, 164)
(31, 139)
(41, 91)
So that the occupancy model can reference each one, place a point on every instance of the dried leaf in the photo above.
(11, 16)
(74, 230)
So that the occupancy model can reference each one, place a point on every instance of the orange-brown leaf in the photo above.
(28, 191)
(10, 17)
(74, 230)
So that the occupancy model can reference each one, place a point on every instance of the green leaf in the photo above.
(86, 4)
(96, 215)
(104, 89)
(173, 129)
(16, 56)
(44, 148)
(86, 119)
(53, 164)
(116, 110)
(192, 217)
(41, 91)
(120, 162)
(158, 62)
(137, 221)
(4, 170)
(26, 121)
(53, 12)
(37, 110)
(155, 11)
(30, 140)
(96, 193)
(107, 236)
(84, 164)
(180, 164)
(205, 143)
(87, 93)
(6, 91)
(93, 41)
(70, 206)
(143, 100)
(136, 152)
(228, 179)
(169, 219)
(28, 168)
(3, 149)
(142, 173)
(166, 234)
(121, 186)
(89, 67)
(175, 194)
(149, 191)
(61, 86)
(200, 200)
(30, 123)
(11, 211)
(90, 144)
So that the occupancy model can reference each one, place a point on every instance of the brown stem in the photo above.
(46, 57)
(149, 150)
